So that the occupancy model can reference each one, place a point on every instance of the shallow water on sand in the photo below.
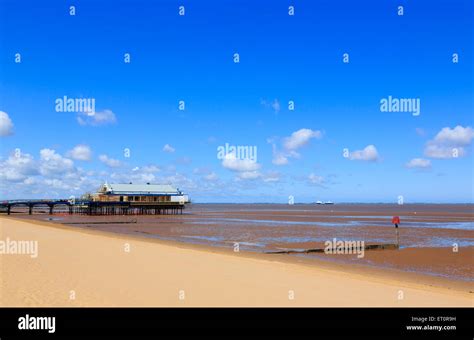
(270, 227)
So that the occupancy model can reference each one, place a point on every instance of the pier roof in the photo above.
(138, 189)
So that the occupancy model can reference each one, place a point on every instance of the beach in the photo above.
(435, 239)
(88, 267)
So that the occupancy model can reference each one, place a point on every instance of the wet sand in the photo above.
(86, 267)
(429, 234)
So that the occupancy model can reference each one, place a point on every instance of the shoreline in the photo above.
(447, 292)
(425, 252)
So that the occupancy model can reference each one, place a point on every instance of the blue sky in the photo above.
(283, 58)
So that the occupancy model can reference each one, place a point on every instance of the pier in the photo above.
(95, 207)
(113, 199)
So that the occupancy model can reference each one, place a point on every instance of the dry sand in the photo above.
(94, 268)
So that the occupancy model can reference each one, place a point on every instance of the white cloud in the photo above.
(80, 152)
(300, 138)
(271, 176)
(110, 162)
(53, 163)
(211, 177)
(97, 118)
(231, 162)
(206, 173)
(144, 175)
(369, 153)
(168, 148)
(183, 160)
(145, 178)
(59, 184)
(29, 181)
(151, 169)
(52, 175)
(315, 179)
(201, 171)
(249, 175)
(443, 151)
(291, 144)
(457, 136)
(182, 181)
(420, 163)
(279, 159)
(274, 105)
(6, 125)
(135, 176)
(18, 168)
(449, 143)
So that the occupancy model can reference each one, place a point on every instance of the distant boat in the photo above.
(321, 202)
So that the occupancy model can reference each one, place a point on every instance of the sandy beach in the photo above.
(78, 267)
(429, 233)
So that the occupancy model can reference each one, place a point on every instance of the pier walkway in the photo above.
(96, 207)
